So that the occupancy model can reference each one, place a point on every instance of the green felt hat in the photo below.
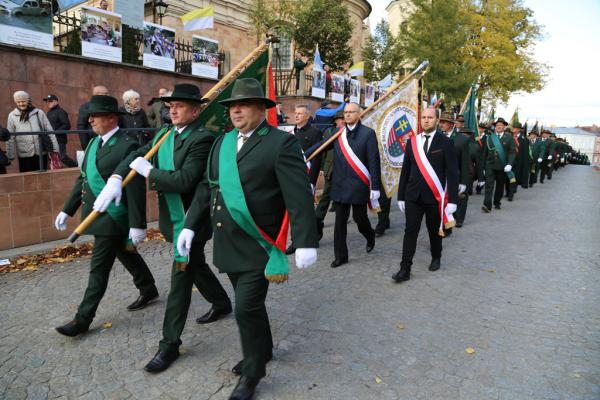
(185, 92)
(248, 89)
(104, 105)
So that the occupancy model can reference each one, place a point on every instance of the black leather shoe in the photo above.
(71, 329)
(161, 361)
(486, 209)
(212, 315)
(447, 232)
(244, 390)
(402, 276)
(497, 206)
(237, 368)
(290, 250)
(143, 301)
(336, 263)
(510, 198)
(370, 245)
(459, 224)
(435, 264)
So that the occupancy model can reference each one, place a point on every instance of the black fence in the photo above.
(67, 39)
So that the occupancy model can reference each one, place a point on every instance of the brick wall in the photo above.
(29, 203)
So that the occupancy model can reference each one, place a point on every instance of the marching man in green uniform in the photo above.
(498, 156)
(123, 220)
(174, 173)
(257, 179)
(546, 155)
(537, 152)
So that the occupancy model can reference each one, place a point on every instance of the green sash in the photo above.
(502, 155)
(173, 199)
(97, 183)
(233, 196)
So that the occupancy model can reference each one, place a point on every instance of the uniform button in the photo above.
(219, 208)
(219, 224)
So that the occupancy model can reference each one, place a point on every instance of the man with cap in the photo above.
(522, 166)
(461, 149)
(546, 155)
(83, 123)
(123, 224)
(255, 186)
(482, 127)
(536, 147)
(356, 181)
(498, 157)
(59, 119)
(307, 136)
(174, 172)
(327, 168)
(553, 152)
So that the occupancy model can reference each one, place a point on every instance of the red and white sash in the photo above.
(357, 166)
(439, 191)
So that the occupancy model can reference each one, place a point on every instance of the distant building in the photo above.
(583, 141)
(398, 12)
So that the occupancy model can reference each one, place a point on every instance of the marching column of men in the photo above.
(246, 187)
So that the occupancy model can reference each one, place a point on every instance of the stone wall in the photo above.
(29, 203)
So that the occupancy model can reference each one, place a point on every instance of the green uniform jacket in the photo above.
(537, 150)
(490, 158)
(108, 158)
(461, 145)
(327, 165)
(522, 163)
(273, 176)
(475, 162)
(189, 159)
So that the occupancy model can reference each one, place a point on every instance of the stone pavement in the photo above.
(520, 286)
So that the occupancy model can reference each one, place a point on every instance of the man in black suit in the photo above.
(348, 190)
(415, 197)
(307, 136)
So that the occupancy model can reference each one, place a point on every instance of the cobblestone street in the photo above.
(519, 286)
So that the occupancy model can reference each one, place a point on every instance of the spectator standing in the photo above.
(134, 116)
(84, 115)
(27, 118)
(154, 112)
(59, 119)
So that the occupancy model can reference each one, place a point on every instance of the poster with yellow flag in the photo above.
(394, 120)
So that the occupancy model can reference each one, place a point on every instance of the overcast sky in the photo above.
(571, 46)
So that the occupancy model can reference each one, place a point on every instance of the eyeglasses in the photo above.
(350, 112)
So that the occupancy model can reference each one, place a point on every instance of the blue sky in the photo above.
(571, 46)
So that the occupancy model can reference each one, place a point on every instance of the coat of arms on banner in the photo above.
(397, 126)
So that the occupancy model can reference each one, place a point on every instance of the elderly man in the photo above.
(83, 117)
(154, 112)
(356, 181)
(499, 151)
(258, 178)
(174, 172)
(123, 220)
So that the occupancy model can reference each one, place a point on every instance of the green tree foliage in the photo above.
(381, 54)
(273, 16)
(326, 23)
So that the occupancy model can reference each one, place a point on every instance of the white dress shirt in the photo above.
(108, 135)
(422, 141)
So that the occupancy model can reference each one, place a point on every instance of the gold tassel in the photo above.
(279, 278)
(181, 266)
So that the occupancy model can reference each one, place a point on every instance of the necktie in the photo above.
(101, 143)
(425, 145)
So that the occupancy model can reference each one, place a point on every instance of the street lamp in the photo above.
(159, 8)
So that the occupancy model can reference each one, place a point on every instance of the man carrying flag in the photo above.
(428, 186)
(258, 178)
(174, 172)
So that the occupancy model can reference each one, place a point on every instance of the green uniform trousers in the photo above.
(253, 322)
(494, 185)
(461, 207)
(106, 249)
(383, 216)
(180, 295)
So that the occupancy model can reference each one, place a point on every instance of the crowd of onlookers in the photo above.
(26, 117)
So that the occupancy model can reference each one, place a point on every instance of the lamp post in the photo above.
(159, 8)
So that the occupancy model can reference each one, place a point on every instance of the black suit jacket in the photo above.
(307, 136)
(442, 157)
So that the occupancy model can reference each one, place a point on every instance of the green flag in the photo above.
(470, 111)
(515, 118)
(214, 117)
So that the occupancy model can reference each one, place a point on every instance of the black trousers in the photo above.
(545, 171)
(383, 216)
(253, 321)
(461, 207)
(106, 249)
(414, 212)
(324, 200)
(494, 183)
(533, 176)
(359, 215)
(29, 164)
(180, 295)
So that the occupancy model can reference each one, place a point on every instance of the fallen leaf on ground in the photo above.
(491, 270)
(577, 376)
(378, 380)
(195, 289)
(400, 327)
(107, 325)
(470, 350)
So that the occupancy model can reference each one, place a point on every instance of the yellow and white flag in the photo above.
(202, 18)
(357, 69)
(394, 120)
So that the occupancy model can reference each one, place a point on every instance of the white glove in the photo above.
(112, 191)
(481, 184)
(184, 242)
(562, 160)
(61, 221)
(550, 157)
(540, 159)
(375, 194)
(450, 208)
(401, 205)
(305, 257)
(508, 168)
(137, 235)
(461, 188)
(141, 166)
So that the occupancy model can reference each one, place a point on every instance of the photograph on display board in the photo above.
(205, 57)
(101, 35)
(318, 84)
(63, 5)
(354, 91)
(27, 23)
(159, 47)
(369, 95)
(337, 92)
